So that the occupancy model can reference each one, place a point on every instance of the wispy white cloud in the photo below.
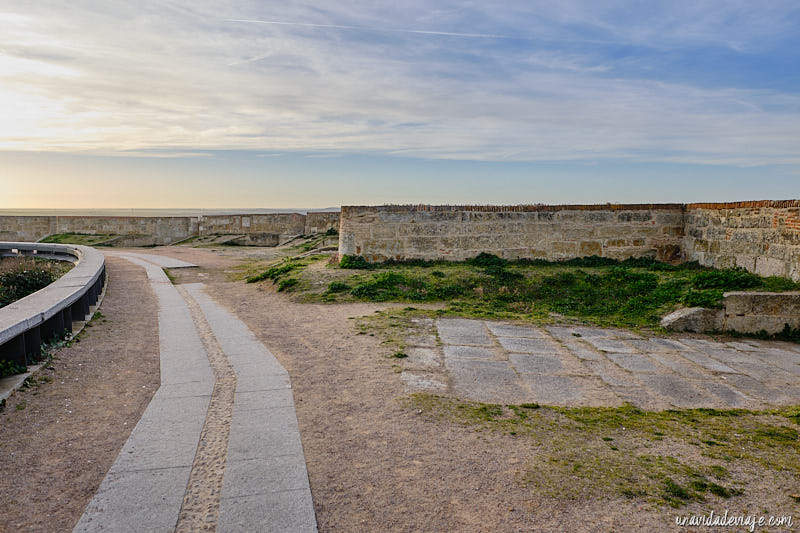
(114, 77)
(374, 29)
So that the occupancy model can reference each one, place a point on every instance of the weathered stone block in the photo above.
(590, 248)
(697, 319)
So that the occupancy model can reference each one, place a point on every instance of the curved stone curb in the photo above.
(10, 384)
(50, 312)
(265, 483)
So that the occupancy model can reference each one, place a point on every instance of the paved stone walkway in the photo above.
(218, 448)
(562, 365)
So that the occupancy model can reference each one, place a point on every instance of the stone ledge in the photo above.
(742, 312)
(59, 298)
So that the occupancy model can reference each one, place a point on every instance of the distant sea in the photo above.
(153, 212)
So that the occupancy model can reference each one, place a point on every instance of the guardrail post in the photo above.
(67, 316)
(14, 350)
(92, 293)
(53, 328)
(33, 343)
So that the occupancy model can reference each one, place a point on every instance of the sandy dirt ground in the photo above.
(376, 465)
(59, 437)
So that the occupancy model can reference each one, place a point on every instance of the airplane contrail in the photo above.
(367, 28)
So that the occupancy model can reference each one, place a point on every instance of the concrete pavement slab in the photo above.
(273, 512)
(507, 330)
(121, 505)
(636, 363)
(467, 352)
(486, 381)
(463, 332)
(534, 346)
(535, 364)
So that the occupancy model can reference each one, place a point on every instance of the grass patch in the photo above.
(21, 276)
(78, 238)
(603, 291)
(590, 452)
(170, 276)
(285, 274)
(317, 241)
(287, 284)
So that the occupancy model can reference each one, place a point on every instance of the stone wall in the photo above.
(751, 312)
(743, 312)
(25, 228)
(762, 236)
(321, 221)
(261, 228)
(279, 223)
(158, 230)
(547, 232)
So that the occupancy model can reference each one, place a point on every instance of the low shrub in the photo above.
(274, 273)
(353, 262)
(484, 259)
(729, 280)
(338, 286)
(287, 284)
(17, 284)
(710, 298)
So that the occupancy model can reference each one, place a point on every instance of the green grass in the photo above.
(21, 276)
(666, 458)
(313, 242)
(170, 276)
(78, 238)
(630, 293)
(279, 272)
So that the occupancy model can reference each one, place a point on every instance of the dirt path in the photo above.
(59, 438)
(374, 464)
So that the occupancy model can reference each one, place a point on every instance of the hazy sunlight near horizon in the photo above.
(210, 104)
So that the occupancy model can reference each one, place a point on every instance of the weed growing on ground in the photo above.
(10, 368)
(594, 451)
(85, 239)
(631, 293)
(353, 262)
(287, 284)
(22, 276)
(274, 273)
(170, 276)
(338, 286)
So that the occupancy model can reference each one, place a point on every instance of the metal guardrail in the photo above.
(49, 313)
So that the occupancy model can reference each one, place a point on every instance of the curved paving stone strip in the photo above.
(144, 489)
(208, 455)
(266, 485)
(200, 509)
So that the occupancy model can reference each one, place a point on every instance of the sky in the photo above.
(225, 104)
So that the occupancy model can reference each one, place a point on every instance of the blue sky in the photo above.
(278, 104)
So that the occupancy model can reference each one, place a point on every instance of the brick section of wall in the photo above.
(762, 237)
(533, 231)
(322, 221)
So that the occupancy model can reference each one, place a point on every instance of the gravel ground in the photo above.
(59, 438)
(374, 463)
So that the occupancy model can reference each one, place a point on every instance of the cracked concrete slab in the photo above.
(517, 364)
